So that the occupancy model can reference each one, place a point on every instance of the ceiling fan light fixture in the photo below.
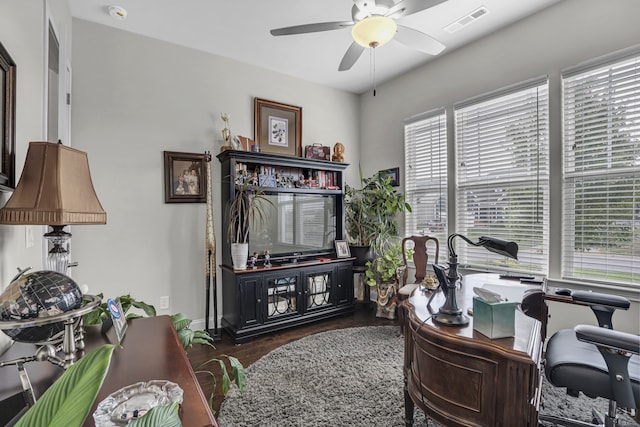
(374, 31)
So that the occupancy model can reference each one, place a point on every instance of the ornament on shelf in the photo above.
(226, 132)
(338, 153)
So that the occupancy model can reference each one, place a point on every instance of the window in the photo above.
(601, 139)
(502, 175)
(425, 151)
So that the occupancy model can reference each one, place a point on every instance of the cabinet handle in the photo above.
(259, 300)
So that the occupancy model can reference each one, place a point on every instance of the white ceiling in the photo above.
(239, 29)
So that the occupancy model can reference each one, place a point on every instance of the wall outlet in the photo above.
(28, 237)
(164, 303)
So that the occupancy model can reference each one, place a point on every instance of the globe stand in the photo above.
(72, 339)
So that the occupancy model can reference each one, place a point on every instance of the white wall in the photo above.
(134, 97)
(22, 32)
(560, 36)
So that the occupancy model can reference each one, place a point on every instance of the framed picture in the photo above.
(118, 318)
(342, 249)
(278, 128)
(7, 120)
(184, 177)
(394, 173)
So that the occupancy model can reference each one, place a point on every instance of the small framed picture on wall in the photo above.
(394, 174)
(184, 177)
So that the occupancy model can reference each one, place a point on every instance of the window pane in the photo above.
(602, 174)
(502, 173)
(426, 178)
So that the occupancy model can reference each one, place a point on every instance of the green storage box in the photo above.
(494, 320)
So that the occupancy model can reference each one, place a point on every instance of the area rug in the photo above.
(346, 377)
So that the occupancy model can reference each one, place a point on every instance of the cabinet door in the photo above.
(344, 284)
(283, 294)
(318, 288)
(251, 300)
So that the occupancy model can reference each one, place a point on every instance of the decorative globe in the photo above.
(38, 295)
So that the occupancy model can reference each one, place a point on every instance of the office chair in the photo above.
(597, 361)
(420, 246)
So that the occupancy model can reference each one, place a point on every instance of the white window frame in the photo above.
(425, 139)
(594, 246)
(488, 130)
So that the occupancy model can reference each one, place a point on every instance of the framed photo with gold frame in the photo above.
(278, 127)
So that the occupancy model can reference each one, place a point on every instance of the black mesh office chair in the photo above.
(597, 361)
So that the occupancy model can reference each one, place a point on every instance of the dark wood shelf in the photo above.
(261, 300)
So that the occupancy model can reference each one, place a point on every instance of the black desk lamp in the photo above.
(449, 313)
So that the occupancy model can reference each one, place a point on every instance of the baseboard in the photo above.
(198, 324)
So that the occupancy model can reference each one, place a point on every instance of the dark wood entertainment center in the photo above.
(300, 286)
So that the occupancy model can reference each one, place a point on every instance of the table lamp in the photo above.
(55, 189)
(449, 313)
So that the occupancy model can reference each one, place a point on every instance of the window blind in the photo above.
(502, 176)
(601, 187)
(425, 139)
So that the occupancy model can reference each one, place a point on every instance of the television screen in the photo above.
(304, 223)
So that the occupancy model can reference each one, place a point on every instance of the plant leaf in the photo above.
(186, 337)
(226, 381)
(180, 321)
(68, 401)
(237, 370)
(165, 416)
(148, 309)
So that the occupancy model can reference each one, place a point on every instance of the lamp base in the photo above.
(451, 319)
(58, 257)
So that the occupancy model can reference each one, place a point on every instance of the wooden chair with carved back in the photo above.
(421, 246)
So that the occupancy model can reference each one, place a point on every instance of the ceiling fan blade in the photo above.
(407, 7)
(311, 28)
(418, 40)
(361, 4)
(351, 56)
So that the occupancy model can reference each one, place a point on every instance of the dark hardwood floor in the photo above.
(251, 351)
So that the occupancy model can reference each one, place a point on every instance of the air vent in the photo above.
(466, 20)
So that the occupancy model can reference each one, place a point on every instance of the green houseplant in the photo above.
(187, 337)
(248, 208)
(370, 213)
(384, 267)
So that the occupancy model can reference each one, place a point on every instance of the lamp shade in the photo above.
(499, 246)
(55, 188)
(374, 31)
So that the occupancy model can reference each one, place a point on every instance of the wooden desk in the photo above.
(150, 350)
(459, 377)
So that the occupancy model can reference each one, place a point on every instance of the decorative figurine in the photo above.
(267, 259)
(226, 132)
(254, 260)
(338, 153)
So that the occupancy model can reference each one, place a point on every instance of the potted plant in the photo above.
(384, 272)
(384, 267)
(247, 209)
(370, 213)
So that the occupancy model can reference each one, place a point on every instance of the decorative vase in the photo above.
(239, 255)
(362, 254)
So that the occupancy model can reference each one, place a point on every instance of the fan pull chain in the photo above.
(372, 64)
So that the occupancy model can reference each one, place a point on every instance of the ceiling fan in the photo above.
(374, 24)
